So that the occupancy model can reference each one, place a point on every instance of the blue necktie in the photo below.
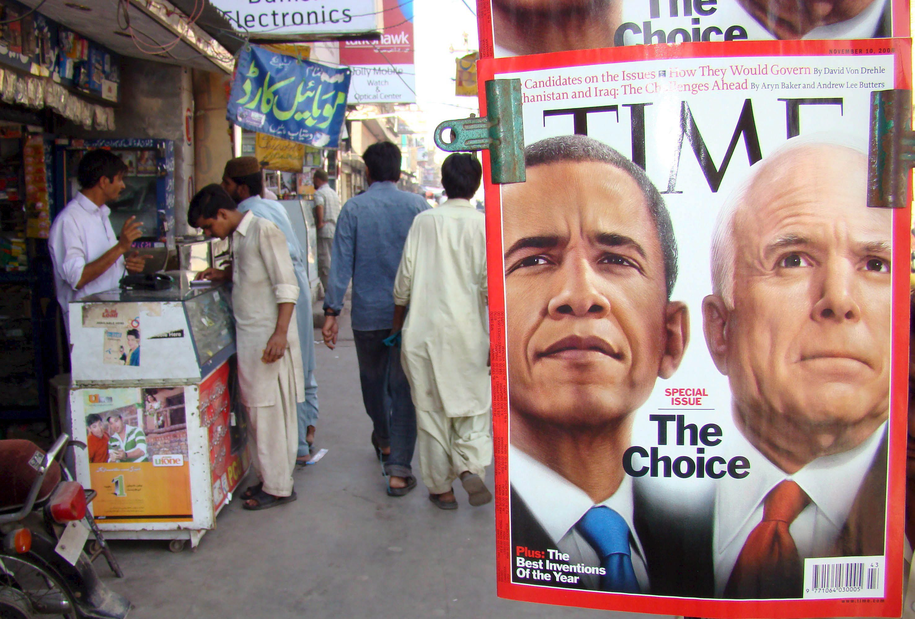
(608, 534)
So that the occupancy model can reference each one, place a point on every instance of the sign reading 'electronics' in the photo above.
(284, 18)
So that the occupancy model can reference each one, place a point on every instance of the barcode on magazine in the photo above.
(843, 577)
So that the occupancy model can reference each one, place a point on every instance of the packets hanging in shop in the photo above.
(38, 222)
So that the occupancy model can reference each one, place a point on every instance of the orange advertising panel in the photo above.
(141, 492)
(138, 454)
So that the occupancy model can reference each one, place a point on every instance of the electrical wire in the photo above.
(397, 73)
(158, 49)
(472, 12)
(38, 6)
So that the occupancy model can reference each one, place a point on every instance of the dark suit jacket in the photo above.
(678, 551)
(527, 532)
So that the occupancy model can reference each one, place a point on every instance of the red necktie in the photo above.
(768, 565)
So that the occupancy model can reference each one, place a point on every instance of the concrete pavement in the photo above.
(344, 549)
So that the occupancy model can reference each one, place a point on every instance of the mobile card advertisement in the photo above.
(138, 453)
(699, 333)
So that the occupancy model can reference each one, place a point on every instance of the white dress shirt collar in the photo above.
(557, 503)
(245, 222)
(820, 480)
(91, 207)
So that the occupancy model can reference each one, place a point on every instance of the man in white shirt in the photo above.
(445, 348)
(590, 262)
(86, 255)
(327, 209)
(799, 321)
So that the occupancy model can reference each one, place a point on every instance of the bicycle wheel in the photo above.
(38, 586)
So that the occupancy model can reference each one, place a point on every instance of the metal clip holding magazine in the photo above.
(891, 155)
(501, 131)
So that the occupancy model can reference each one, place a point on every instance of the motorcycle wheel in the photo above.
(33, 589)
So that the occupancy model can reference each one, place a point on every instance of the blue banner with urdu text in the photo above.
(288, 98)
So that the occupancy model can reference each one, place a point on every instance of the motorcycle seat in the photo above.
(19, 461)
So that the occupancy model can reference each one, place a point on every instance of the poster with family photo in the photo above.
(137, 450)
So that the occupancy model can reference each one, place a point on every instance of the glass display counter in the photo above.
(151, 397)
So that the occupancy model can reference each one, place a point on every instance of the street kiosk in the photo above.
(151, 396)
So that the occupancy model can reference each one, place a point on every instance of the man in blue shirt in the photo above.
(369, 240)
(243, 180)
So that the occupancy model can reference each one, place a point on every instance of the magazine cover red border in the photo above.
(899, 12)
(888, 607)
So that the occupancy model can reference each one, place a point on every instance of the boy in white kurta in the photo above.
(445, 346)
(270, 374)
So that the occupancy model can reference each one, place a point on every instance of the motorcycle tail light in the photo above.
(68, 502)
(22, 541)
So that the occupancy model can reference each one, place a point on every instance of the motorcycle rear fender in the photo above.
(94, 600)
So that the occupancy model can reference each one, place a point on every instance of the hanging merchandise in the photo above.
(465, 83)
(287, 98)
(37, 93)
(38, 213)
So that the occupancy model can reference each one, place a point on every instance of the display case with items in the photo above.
(210, 319)
(155, 364)
(18, 382)
(184, 331)
(26, 282)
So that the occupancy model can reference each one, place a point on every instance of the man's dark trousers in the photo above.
(386, 395)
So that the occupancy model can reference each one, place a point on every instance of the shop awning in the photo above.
(189, 33)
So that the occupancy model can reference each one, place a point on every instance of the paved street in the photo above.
(344, 549)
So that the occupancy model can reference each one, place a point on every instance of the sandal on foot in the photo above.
(439, 503)
(411, 483)
(302, 461)
(252, 491)
(477, 491)
(266, 501)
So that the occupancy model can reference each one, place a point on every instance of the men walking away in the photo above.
(327, 209)
(243, 180)
(270, 377)
(368, 244)
(442, 278)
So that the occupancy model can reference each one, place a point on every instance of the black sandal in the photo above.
(252, 491)
(266, 501)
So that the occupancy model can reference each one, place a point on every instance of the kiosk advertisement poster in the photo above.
(521, 27)
(698, 333)
(138, 454)
(226, 466)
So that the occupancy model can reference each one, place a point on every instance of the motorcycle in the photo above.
(43, 569)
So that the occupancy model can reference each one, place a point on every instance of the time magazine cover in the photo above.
(523, 27)
(699, 333)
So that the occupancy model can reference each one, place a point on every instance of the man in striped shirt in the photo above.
(126, 443)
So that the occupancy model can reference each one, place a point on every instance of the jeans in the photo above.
(387, 399)
(307, 411)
